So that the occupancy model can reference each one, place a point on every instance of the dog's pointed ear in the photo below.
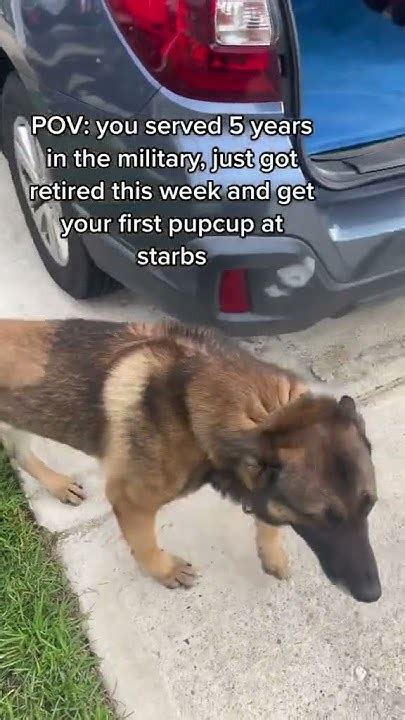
(348, 407)
(305, 411)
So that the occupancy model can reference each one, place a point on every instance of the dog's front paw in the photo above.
(276, 563)
(180, 574)
(66, 490)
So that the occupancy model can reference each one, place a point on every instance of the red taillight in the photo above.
(205, 49)
(233, 292)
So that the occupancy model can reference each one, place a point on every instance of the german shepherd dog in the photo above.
(168, 409)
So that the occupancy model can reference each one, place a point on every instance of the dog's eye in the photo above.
(333, 517)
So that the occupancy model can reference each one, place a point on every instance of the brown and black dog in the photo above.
(168, 409)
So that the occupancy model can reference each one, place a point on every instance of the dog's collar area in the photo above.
(256, 503)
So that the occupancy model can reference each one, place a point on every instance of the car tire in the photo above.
(67, 261)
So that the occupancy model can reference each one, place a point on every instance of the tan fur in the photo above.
(17, 443)
(270, 550)
(23, 352)
(125, 385)
(137, 523)
(59, 485)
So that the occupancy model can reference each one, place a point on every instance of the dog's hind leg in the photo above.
(59, 485)
(17, 444)
(270, 550)
(137, 523)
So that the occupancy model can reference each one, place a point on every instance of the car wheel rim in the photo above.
(32, 169)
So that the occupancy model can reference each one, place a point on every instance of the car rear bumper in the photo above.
(289, 287)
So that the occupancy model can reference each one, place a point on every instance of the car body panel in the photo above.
(348, 245)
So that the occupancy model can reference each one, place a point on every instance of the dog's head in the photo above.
(310, 467)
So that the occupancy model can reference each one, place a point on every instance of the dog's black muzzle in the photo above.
(346, 557)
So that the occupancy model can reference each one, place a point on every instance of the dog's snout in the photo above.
(368, 592)
(366, 586)
(348, 560)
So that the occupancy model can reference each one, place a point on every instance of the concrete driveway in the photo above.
(240, 644)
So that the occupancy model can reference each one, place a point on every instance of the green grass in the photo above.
(46, 667)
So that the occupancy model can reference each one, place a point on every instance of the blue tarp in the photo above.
(353, 73)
